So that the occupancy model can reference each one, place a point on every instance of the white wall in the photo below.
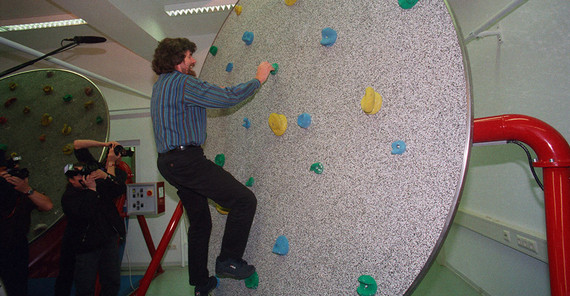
(526, 74)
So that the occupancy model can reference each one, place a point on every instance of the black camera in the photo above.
(86, 169)
(89, 168)
(20, 173)
(120, 150)
(11, 168)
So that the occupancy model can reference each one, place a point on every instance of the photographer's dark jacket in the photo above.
(93, 219)
(15, 210)
(92, 216)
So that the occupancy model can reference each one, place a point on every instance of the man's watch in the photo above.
(29, 192)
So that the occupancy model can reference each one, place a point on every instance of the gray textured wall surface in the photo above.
(370, 212)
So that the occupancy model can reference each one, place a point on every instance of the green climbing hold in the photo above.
(213, 50)
(367, 286)
(67, 98)
(276, 67)
(317, 168)
(407, 4)
(220, 160)
(252, 281)
(249, 182)
(99, 120)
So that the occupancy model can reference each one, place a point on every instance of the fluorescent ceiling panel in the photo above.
(199, 7)
(42, 25)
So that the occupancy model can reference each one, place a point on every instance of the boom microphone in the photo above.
(86, 39)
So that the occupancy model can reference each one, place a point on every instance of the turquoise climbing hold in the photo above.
(281, 246)
(398, 147)
(247, 37)
(317, 168)
(220, 160)
(407, 4)
(246, 122)
(229, 67)
(329, 37)
(304, 120)
(368, 286)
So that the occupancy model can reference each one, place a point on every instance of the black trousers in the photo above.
(14, 268)
(64, 280)
(104, 261)
(198, 179)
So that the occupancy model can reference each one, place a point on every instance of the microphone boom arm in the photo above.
(28, 63)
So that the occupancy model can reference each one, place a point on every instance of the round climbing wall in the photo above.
(44, 111)
(367, 180)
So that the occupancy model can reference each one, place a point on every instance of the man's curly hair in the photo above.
(169, 53)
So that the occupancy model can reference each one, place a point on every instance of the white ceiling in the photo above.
(136, 25)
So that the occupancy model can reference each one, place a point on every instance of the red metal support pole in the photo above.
(553, 154)
(148, 238)
(170, 229)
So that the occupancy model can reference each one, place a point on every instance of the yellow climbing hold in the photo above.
(46, 119)
(67, 149)
(88, 104)
(371, 102)
(238, 9)
(222, 210)
(278, 123)
(66, 129)
(290, 2)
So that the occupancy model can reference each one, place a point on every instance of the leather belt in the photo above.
(181, 148)
(184, 147)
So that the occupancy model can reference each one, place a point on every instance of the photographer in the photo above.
(94, 225)
(17, 200)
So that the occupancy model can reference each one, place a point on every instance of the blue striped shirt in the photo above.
(178, 107)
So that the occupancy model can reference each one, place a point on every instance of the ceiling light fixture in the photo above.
(197, 7)
(43, 25)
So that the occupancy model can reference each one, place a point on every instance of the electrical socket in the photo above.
(527, 243)
(507, 236)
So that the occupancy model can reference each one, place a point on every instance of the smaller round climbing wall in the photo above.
(42, 113)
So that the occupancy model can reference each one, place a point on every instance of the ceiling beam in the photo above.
(106, 18)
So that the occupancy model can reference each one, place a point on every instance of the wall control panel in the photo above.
(145, 198)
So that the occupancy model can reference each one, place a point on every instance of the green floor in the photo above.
(439, 281)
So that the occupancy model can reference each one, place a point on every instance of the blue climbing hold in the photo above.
(281, 246)
(247, 37)
(398, 147)
(229, 67)
(329, 36)
(246, 122)
(304, 120)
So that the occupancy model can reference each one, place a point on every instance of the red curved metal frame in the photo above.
(553, 154)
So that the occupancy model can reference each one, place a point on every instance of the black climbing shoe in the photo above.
(235, 269)
(204, 290)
